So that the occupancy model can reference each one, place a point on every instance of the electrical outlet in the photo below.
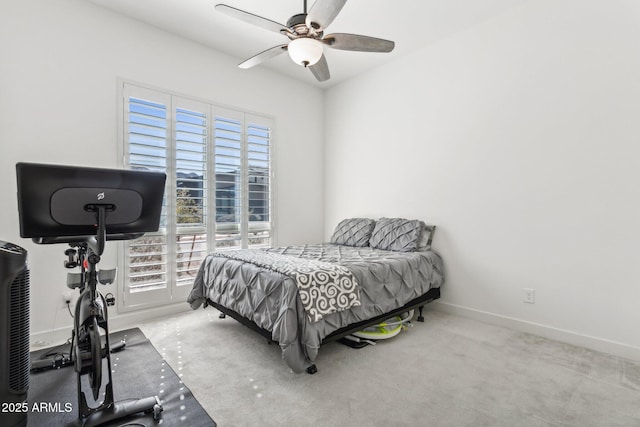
(67, 297)
(529, 295)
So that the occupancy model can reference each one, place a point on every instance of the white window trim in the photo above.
(122, 130)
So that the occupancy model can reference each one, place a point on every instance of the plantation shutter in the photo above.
(147, 129)
(228, 178)
(217, 196)
(259, 181)
(191, 139)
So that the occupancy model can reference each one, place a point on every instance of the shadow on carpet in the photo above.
(138, 371)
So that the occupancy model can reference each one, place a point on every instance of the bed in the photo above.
(305, 295)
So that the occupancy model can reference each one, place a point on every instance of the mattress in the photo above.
(387, 280)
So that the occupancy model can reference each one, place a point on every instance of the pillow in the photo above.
(353, 232)
(397, 234)
(424, 244)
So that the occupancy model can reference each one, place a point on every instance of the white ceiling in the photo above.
(412, 24)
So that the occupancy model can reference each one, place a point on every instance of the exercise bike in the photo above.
(57, 358)
(88, 346)
(76, 205)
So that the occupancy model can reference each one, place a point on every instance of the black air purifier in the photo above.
(14, 335)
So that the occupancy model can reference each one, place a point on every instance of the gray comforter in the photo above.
(270, 299)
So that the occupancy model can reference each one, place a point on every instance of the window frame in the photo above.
(172, 293)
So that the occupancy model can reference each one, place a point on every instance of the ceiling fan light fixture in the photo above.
(305, 32)
(305, 51)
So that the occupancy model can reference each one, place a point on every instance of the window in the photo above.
(218, 193)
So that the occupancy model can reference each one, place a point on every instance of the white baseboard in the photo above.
(592, 343)
(116, 323)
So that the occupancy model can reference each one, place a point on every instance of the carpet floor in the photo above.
(448, 371)
(138, 372)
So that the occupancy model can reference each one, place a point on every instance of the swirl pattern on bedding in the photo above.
(324, 288)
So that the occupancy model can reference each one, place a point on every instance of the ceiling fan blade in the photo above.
(251, 18)
(344, 41)
(323, 12)
(263, 56)
(320, 69)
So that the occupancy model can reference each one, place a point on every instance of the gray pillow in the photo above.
(353, 232)
(397, 234)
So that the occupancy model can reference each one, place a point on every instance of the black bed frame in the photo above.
(419, 303)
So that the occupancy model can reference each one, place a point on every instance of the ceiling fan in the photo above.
(306, 37)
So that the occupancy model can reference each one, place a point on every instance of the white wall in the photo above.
(520, 139)
(59, 66)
